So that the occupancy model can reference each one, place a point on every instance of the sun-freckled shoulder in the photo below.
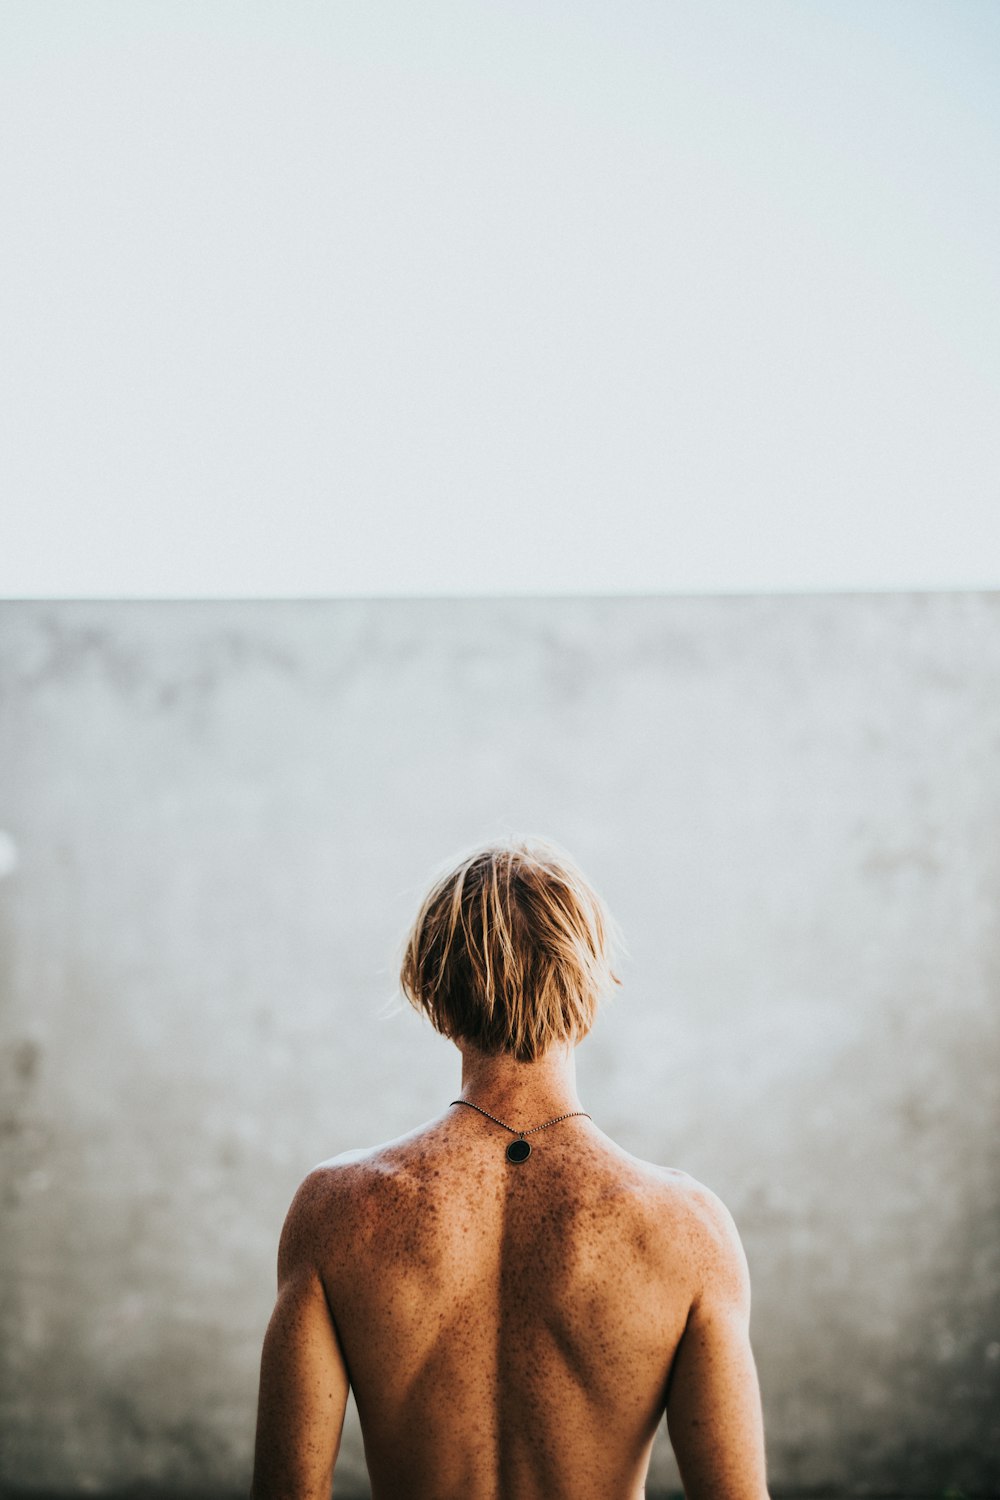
(695, 1221)
(710, 1209)
(667, 1184)
(316, 1203)
(314, 1192)
(387, 1154)
(715, 1237)
(700, 1200)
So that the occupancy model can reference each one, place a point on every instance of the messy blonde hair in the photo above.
(511, 950)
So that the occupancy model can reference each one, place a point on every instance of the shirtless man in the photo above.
(513, 1322)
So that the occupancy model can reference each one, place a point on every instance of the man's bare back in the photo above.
(510, 1329)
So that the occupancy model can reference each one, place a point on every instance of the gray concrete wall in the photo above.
(224, 815)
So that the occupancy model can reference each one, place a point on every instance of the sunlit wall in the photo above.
(218, 821)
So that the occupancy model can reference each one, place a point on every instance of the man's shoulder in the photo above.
(707, 1229)
(668, 1183)
(701, 1201)
(682, 1205)
(325, 1197)
(336, 1174)
(348, 1174)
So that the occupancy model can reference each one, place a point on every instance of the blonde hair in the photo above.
(511, 950)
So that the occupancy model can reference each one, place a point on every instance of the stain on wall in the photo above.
(219, 819)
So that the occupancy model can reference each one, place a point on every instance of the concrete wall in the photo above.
(223, 817)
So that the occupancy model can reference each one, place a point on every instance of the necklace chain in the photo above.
(521, 1133)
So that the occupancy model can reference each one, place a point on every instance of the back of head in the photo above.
(511, 950)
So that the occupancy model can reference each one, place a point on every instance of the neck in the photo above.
(521, 1093)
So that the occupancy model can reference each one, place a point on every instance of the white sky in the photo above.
(589, 296)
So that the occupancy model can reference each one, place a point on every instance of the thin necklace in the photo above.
(519, 1150)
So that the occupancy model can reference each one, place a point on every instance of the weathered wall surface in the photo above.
(224, 815)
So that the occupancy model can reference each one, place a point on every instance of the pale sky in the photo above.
(464, 298)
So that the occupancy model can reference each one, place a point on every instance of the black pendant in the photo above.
(518, 1150)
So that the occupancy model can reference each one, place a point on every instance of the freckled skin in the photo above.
(510, 1331)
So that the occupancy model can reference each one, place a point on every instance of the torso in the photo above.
(508, 1328)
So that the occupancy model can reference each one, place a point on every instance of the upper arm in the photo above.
(713, 1405)
(303, 1375)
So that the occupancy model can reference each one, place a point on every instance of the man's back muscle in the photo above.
(509, 1329)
